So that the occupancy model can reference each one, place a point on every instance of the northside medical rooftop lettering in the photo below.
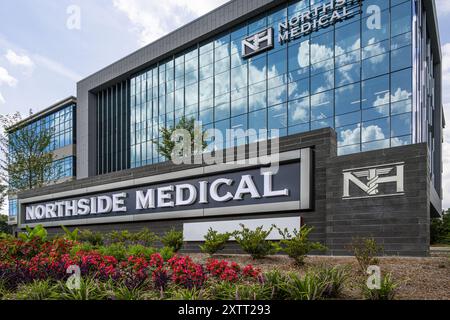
(321, 16)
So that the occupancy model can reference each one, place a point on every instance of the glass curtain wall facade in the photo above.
(61, 124)
(354, 76)
(13, 207)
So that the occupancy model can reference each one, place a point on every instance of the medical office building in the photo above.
(352, 86)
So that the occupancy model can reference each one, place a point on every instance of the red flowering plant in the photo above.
(227, 271)
(23, 262)
(187, 273)
(134, 271)
(159, 271)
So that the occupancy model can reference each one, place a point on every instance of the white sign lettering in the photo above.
(369, 180)
(185, 194)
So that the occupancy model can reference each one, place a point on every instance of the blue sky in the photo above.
(41, 58)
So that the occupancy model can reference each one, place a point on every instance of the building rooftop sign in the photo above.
(301, 24)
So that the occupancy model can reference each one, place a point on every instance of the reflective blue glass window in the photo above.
(349, 135)
(376, 130)
(348, 99)
(401, 125)
(13, 207)
(299, 111)
(322, 105)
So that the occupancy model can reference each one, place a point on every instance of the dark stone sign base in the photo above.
(400, 223)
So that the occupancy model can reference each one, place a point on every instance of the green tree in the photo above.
(170, 138)
(3, 192)
(4, 227)
(26, 162)
(440, 229)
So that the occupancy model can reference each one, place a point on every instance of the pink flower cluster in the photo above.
(24, 262)
(227, 271)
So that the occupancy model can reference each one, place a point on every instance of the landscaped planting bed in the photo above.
(126, 267)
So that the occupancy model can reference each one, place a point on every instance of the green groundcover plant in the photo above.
(119, 267)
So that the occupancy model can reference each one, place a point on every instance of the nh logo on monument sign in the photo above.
(257, 43)
(371, 179)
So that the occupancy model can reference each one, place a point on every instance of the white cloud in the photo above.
(19, 60)
(57, 68)
(6, 78)
(443, 6)
(153, 19)
(2, 100)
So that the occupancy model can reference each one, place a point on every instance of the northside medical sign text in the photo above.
(318, 17)
(245, 188)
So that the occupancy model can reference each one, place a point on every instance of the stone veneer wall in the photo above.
(400, 223)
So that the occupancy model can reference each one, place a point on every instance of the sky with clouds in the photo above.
(43, 53)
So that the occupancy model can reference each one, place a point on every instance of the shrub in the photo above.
(276, 280)
(94, 238)
(6, 236)
(225, 290)
(37, 232)
(214, 241)
(334, 280)
(167, 253)
(309, 287)
(387, 290)
(297, 246)
(116, 250)
(82, 247)
(90, 289)
(123, 293)
(255, 243)
(139, 250)
(144, 238)
(173, 239)
(37, 290)
(440, 230)
(177, 293)
(4, 291)
(186, 273)
(365, 251)
(71, 235)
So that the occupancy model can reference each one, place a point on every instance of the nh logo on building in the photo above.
(257, 43)
(370, 179)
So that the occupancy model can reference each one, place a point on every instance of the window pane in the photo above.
(277, 117)
(375, 66)
(322, 105)
(401, 85)
(349, 135)
(348, 38)
(375, 92)
(299, 111)
(376, 130)
(348, 99)
(401, 125)
(401, 58)
(401, 18)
